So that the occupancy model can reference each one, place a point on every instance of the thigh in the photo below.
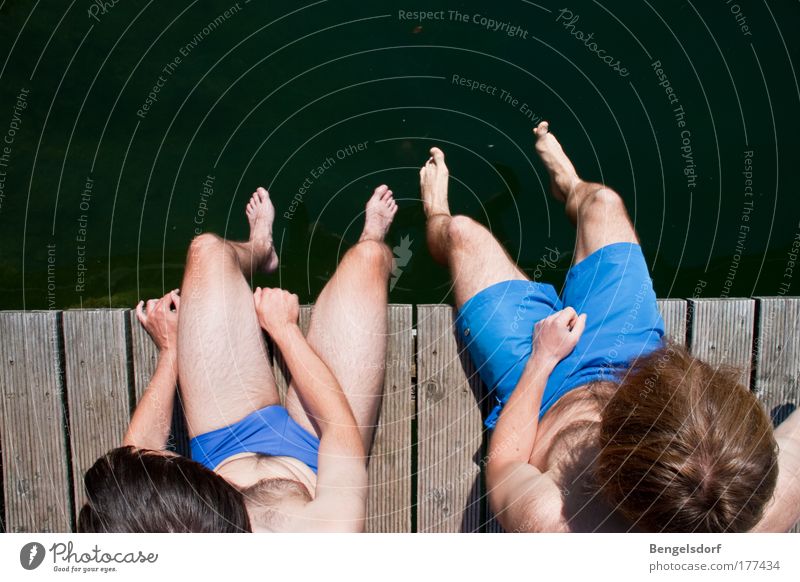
(477, 260)
(348, 330)
(223, 368)
(612, 286)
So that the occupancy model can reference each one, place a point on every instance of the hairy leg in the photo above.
(349, 322)
(598, 212)
(224, 372)
(475, 258)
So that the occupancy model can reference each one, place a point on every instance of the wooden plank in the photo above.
(279, 368)
(35, 470)
(777, 377)
(450, 428)
(98, 393)
(722, 333)
(674, 313)
(145, 358)
(389, 502)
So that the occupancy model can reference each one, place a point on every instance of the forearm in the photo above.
(515, 432)
(316, 385)
(152, 420)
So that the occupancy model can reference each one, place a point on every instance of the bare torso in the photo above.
(565, 449)
(272, 508)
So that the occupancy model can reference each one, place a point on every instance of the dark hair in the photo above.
(685, 447)
(138, 490)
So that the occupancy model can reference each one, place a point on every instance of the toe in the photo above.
(437, 154)
(386, 195)
(380, 190)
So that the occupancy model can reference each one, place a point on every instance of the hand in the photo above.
(276, 309)
(160, 321)
(556, 336)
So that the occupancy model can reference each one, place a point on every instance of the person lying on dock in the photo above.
(256, 465)
(592, 432)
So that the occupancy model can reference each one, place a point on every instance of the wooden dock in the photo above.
(70, 380)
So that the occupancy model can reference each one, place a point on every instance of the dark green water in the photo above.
(265, 93)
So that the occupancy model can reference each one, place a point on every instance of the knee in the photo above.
(602, 200)
(371, 252)
(461, 230)
(206, 244)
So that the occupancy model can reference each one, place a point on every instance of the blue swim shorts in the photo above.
(612, 286)
(269, 431)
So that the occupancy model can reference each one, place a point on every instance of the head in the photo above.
(685, 447)
(137, 490)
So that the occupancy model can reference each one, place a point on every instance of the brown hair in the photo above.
(685, 447)
(142, 491)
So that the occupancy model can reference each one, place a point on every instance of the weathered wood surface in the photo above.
(35, 450)
(69, 380)
(722, 333)
(450, 429)
(674, 313)
(389, 503)
(98, 391)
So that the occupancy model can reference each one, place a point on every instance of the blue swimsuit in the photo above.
(612, 286)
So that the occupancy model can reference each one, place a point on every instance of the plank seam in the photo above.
(61, 373)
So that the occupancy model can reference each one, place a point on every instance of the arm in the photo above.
(783, 511)
(149, 428)
(517, 488)
(340, 498)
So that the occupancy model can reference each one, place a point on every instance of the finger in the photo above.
(150, 305)
(176, 299)
(565, 316)
(140, 312)
(580, 325)
(257, 295)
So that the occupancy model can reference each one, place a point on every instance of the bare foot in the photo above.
(433, 178)
(381, 208)
(261, 214)
(563, 177)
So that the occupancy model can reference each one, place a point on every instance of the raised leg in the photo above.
(475, 258)
(224, 373)
(598, 212)
(349, 323)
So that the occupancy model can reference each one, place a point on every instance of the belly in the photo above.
(246, 469)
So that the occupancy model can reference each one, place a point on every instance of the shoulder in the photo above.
(538, 508)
